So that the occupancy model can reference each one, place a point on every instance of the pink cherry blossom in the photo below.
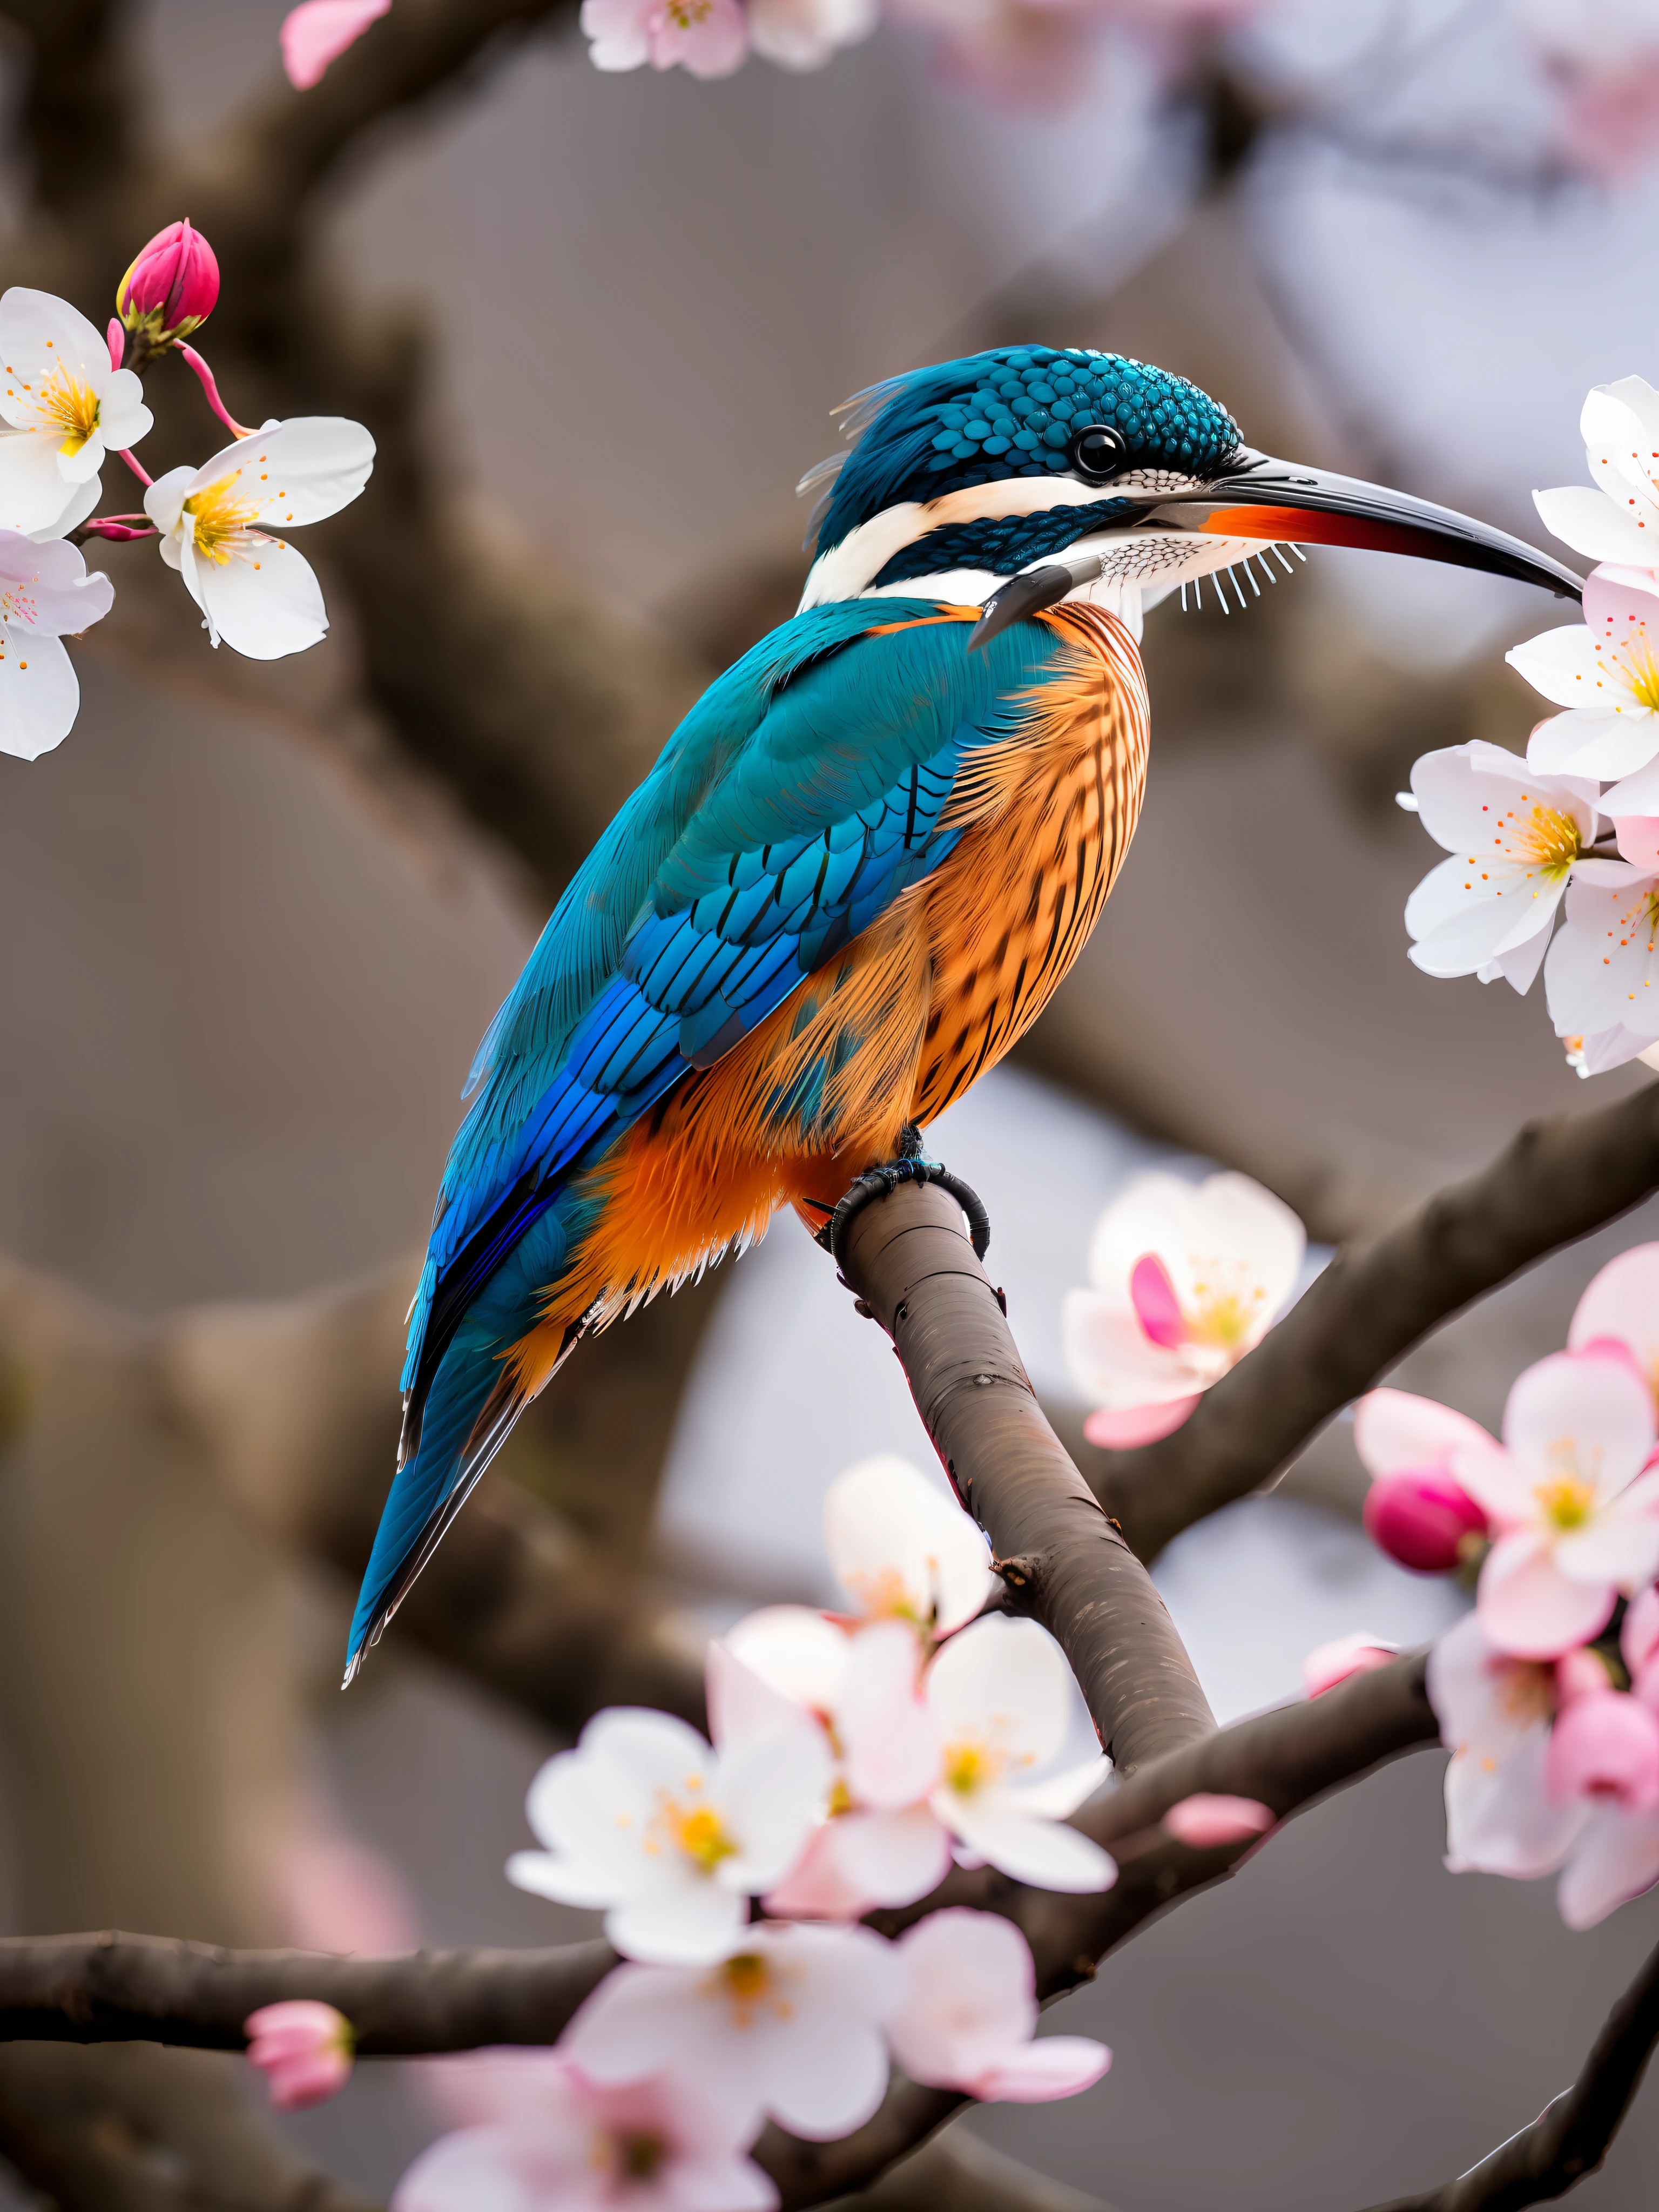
(1577, 1520)
(1638, 1643)
(1331, 1664)
(1187, 1278)
(1414, 1511)
(706, 38)
(1207, 1820)
(1616, 1858)
(303, 2049)
(1621, 1306)
(1495, 1712)
(788, 2023)
(1605, 1745)
(318, 32)
(968, 2013)
(646, 2146)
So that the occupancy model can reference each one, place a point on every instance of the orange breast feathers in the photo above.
(935, 991)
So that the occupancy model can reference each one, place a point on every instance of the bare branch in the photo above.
(911, 1266)
(1555, 1182)
(1573, 2133)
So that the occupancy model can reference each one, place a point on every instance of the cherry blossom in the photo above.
(255, 592)
(968, 2013)
(803, 34)
(1514, 835)
(1000, 1696)
(706, 38)
(1187, 1278)
(1577, 1520)
(646, 2146)
(1603, 671)
(67, 409)
(45, 594)
(898, 1546)
(1617, 1859)
(1621, 1306)
(1605, 1745)
(303, 2049)
(787, 2024)
(1414, 1511)
(1618, 520)
(1495, 1712)
(1345, 1655)
(644, 1820)
(1599, 979)
(318, 32)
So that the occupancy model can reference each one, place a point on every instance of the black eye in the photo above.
(1097, 452)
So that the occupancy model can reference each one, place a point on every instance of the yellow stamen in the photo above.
(745, 1976)
(70, 406)
(700, 1835)
(970, 1765)
(220, 519)
(1566, 1502)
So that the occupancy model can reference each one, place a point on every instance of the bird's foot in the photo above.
(912, 1165)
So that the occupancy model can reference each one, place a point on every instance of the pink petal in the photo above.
(1143, 1424)
(708, 38)
(1395, 1430)
(1605, 1745)
(1035, 2073)
(318, 32)
(1618, 1859)
(1153, 1297)
(1639, 1638)
(1206, 1820)
(1596, 1403)
(1528, 1607)
(1331, 1664)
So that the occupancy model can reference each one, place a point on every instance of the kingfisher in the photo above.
(857, 871)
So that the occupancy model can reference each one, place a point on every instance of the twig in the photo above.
(1061, 1560)
(1571, 2135)
(1557, 1181)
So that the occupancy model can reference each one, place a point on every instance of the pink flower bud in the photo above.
(171, 288)
(1420, 1518)
(1206, 1820)
(303, 2049)
(1607, 1746)
(1323, 1669)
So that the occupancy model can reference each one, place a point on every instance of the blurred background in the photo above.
(258, 917)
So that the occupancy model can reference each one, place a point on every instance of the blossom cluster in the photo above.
(1547, 1693)
(71, 400)
(1184, 1280)
(854, 1756)
(1572, 832)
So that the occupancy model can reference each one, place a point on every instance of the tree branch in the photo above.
(1555, 1182)
(912, 1268)
(1571, 2135)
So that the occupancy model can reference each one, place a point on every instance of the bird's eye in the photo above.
(1097, 452)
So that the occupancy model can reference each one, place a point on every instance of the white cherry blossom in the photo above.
(787, 2025)
(1602, 976)
(1575, 1518)
(644, 1820)
(1000, 1696)
(1603, 670)
(649, 2146)
(898, 1546)
(1495, 1712)
(1618, 520)
(804, 35)
(218, 526)
(45, 594)
(968, 2013)
(1514, 835)
(1187, 1278)
(66, 408)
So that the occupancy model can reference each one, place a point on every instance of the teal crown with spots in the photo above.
(1011, 412)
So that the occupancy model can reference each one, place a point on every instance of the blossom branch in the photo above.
(1062, 1560)
(1555, 1182)
(1571, 2135)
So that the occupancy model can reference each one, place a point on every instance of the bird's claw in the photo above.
(883, 1180)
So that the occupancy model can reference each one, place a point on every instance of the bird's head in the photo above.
(1026, 475)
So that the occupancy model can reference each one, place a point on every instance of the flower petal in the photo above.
(1618, 1859)
(1045, 1853)
(263, 601)
(1592, 1409)
(898, 1545)
(1621, 1300)
(1529, 1607)
(1588, 520)
(1035, 2073)
(1007, 1681)
(40, 694)
(1395, 1432)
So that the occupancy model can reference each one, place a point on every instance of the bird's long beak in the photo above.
(1279, 502)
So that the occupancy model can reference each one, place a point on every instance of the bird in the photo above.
(856, 872)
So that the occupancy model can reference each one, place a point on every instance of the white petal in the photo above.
(1500, 1818)
(38, 333)
(772, 1790)
(890, 1859)
(45, 588)
(39, 697)
(264, 601)
(688, 1921)
(1005, 1683)
(741, 1702)
(1563, 664)
(1600, 743)
(164, 499)
(123, 418)
(1618, 1859)
(969, 1996)
(1058, 1795)
(566, 1881)
(33, 491)
(1463, 916)
(638, 2020)
(794, 1651)
(1622, 1301)
(1529, 1606)
(1588, 521)
(1602, 971)
(891, 1744)
(1112, 1360)
(1394, 1433)
(294, 473)
(1045, 1853)
(1577, 1414)
(1620, 1545)
(1488, 1704)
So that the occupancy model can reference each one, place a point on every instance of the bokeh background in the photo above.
(246, 969)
